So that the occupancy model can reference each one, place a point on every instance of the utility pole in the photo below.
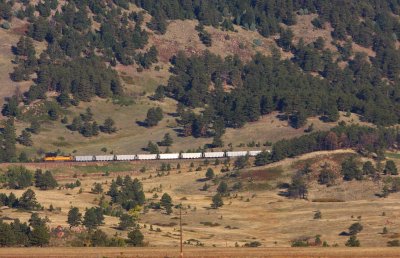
(180, 228)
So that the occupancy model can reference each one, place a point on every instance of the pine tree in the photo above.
(108, 126)
(9, 141)
(166, 203)
(25, 138)
(39, 236)
(126, 221)
(135, 237)
(210, 174)
(217, 201)
(74, 217)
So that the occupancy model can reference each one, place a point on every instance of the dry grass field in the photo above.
(201, 252)
(258, 212)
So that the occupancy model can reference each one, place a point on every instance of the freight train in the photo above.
(164, 156)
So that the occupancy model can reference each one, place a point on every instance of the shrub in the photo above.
(355, 228)
(353, 242)
(318, 215)
(253, 244)
(393, 243)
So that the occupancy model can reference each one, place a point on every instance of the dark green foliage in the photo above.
(217, 201)
(74, 217)
(8, 137)
(18, 177)
(393, 243)
(241, 162)
(318, 215)
(152, 148)
(93, 218)
(45, 181)
(154, 115)
(210, 174)
(368, 168)
(129, 195)
(35, 127)
(350, 170)
(167, 140)
(10, 108)
(97, 188)
(326, 176)
(39, 236)
(28, 201)
(222, 188)
(285, 40)
(298, 187)
(126, 221)
(135, 238)
(390, 168)
(160, 93)
(204, 36)
(355, 228)
(108, 126)
(166, 203)
(353, 242)
(263, 158)
(25, 138)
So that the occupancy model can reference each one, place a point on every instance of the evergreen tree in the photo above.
(390, 168)
(135, 237)
(210, 174)
(108, 126)
(166, 203)
(25, 138)
(9, 141)
(35, 127)
(126, 221)
(222, 188)
(152, 148)
(28, 200)
(167, 140)
(217, 201)
(39, 236)
(93, 218)
(45, 181)
(154, 115)
(74, 217)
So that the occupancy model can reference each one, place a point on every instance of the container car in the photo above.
(169, 156)
(214, 154)
(147, 156)
(197, 155)
(233, 154)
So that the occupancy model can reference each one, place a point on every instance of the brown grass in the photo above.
(201, 252)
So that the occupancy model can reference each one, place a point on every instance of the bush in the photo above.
(318, 215)
(5, 25)
(355, 228)
(253, 244)
(353, 242)
(393, 243)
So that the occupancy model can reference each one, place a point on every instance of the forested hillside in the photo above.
(88, 44)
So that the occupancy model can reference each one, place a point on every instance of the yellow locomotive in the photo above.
(55, 158)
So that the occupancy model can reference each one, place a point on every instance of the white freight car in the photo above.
(197, 155)
(233, 154)
(125, 157)
(254, 153)
(169, 156)
(214, 154)
(147, 156)
(105, 158)
(83, 158)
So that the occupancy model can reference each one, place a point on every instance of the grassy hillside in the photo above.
(267, 210)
